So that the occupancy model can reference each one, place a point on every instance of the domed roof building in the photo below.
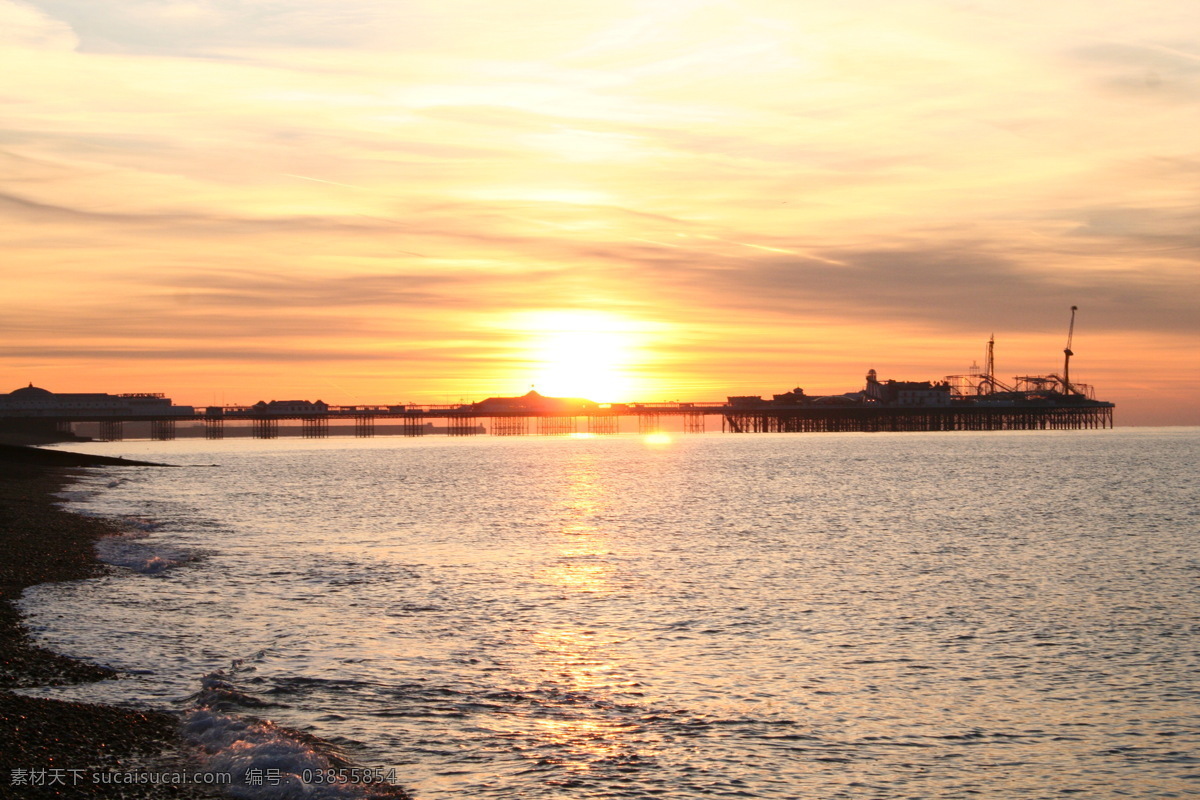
(532, 402)
(33, 401)
(31, 392)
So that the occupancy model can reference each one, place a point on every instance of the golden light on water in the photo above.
(579, 570)
(580, 566)
(657, 438)
(589, 739)
(576, 658)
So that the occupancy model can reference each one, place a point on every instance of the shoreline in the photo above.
(66, 744)
(91, 750)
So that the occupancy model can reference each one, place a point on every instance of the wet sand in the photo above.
(64, 745)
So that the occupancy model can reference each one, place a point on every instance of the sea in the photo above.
(855, 615)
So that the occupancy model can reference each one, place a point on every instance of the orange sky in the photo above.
(372, 201)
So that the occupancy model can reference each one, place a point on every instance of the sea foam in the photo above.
(267, 762)
(133, 550)
(264, 760)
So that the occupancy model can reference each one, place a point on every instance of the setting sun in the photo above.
(590, 354)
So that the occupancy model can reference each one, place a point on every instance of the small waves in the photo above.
(218, 692)
(267, 761)
(139, 523)
(136, 549)
(274, 763)
(762, 617)
(133, 551)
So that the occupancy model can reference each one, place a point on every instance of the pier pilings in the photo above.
(112, 430)
(214, 428)
(649, 422)
(462, 425)
(509, 426)
(556, 426)
(315, 428)
(162, 430)
(838, 420)
(605, 426)
(364, 426)
(265, 428)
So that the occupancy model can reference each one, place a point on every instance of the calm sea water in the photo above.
(1004, 615)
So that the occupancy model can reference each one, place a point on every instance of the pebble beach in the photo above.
(52, 748)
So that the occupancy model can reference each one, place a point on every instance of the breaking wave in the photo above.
(267, 761)
(135, 550)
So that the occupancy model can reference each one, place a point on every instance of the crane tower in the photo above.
(1066, 376)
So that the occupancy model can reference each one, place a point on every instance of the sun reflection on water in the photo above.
(582, 727)
(586, 728)
(579, 576)
(593, 740)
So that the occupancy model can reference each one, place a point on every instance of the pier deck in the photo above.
(691, 418)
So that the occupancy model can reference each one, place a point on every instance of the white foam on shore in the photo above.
(131, 551)
(266, 762)
(127, 550)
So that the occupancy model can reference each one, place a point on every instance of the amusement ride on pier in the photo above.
(975, 401)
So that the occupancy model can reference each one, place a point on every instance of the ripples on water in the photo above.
(913, 615)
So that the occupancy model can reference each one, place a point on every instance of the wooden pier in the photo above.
(689, 418)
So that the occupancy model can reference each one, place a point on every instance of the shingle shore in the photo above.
(63, 745)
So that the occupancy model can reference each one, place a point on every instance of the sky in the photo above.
(431, 201)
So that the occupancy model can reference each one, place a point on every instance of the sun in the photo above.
(590, 364)
(591, 354)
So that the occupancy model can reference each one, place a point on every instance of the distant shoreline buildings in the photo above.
(33, 401)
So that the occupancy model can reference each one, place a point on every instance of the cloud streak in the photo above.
(342, 180)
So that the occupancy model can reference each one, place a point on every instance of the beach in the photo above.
(53, 748)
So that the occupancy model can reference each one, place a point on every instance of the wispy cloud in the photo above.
(342, 180)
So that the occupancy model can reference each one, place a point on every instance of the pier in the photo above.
(643, 418)
(974, 402)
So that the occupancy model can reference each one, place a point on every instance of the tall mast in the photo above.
(1067, 351)
(991, 364)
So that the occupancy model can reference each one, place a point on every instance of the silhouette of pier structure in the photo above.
(737, 415)
(978, 401)
(543, 417)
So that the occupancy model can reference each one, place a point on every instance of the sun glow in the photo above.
(589, 354)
